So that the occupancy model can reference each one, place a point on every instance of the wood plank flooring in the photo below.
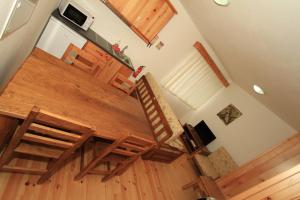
(145, 180)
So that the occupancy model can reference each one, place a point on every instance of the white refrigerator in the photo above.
(57, 37)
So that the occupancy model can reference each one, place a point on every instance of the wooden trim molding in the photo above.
(211, 63)
(171, 6)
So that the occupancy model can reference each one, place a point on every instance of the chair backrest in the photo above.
(53, 130)
(121, 82)
(81, 59)
(97, 52)
(45, 135)
(104, 59)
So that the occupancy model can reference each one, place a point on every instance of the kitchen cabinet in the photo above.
(111, 66)
(145, 17)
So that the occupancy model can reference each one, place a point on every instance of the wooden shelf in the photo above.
(192, 141)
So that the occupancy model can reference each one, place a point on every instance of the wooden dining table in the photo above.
(47, 82)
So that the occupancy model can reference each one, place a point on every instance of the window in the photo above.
(193, 81)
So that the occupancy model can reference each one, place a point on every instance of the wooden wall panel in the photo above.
(281, 184)
(279, 159)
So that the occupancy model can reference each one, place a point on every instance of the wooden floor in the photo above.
(144, 180)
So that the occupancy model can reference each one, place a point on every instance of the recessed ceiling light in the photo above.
(222, 2)
(258, 89)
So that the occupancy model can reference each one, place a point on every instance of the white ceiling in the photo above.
(258, 42)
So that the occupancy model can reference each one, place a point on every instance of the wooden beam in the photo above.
(211, 63)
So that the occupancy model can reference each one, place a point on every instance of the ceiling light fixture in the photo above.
(222, 2)
(258, 89)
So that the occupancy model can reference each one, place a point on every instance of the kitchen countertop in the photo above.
(93, 37)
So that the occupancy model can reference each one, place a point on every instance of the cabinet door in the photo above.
(158, 14)
(125, 71)
(145, 17)
(109, 72)
(104, 59)
(96, 51)
(128, 9)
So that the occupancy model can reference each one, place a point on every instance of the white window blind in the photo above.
(193, 81)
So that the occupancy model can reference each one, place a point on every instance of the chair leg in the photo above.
(15, 140)
(55, 166)
(112, 174)
(93, 163)
(61, 161)
(82, 157)
(10, 125)
(120, 169)
(8, 152)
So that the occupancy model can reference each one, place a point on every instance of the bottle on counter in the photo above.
(138, 71)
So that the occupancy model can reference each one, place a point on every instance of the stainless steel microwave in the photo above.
(76, 14)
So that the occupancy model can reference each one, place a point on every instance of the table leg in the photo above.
(8, 126)
(96, 160)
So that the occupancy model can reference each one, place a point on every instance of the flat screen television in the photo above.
(205, 133)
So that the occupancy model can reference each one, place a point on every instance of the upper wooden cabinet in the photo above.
(145, 17)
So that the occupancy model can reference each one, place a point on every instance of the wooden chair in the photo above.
(119, 154)
(121, 82)
(207, 187)
(83, 60)
(43, 135)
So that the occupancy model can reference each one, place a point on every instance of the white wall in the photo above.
(17, 46)
(258, 43)
(256, 131)
(178, 36)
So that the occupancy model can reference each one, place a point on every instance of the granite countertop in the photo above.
(95, 38)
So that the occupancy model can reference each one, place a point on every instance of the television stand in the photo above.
(192, 141)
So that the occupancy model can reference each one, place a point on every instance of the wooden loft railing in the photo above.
(160, 127)
(270, 164)
(153, 112)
